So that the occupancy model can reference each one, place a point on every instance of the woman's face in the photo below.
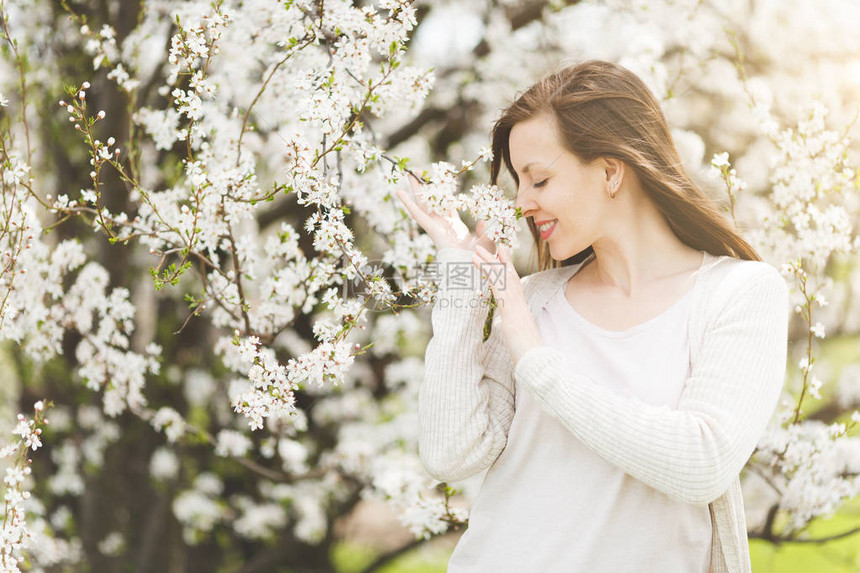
(556, 186)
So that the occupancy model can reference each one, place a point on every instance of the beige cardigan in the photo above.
(694, 454)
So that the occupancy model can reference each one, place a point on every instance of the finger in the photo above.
(413, 181)
(478, 261)
(419, 189)
(414, 210)
(486, 256)
(415, 188)
(479, 232)
(505, 253)
(401, 194)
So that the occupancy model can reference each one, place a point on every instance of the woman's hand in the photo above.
(445, 230)
(519, 328)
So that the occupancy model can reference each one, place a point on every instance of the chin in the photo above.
(564, 253)
(559, 254)
(560, 257)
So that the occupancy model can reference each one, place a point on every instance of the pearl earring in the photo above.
(613, 187)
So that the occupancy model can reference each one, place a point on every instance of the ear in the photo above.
(613, 169)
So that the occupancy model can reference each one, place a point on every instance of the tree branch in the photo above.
(778, 540)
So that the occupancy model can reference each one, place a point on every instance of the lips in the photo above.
(546, 233)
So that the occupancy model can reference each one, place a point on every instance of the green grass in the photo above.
(840, 556)
(352, 558)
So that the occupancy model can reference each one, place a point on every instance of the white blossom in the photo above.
(164, 465)
(232, 443)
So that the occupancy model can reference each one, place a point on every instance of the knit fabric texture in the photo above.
(693, 453)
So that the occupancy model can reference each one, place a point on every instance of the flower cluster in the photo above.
(487, 203)
(812, 184)
(270, 389)
(813, 466)
(16, 537)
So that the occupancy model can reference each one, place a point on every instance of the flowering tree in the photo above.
(205, 271)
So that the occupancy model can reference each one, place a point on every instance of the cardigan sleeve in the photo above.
(466, 400)
(691, 453)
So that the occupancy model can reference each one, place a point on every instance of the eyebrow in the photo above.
(526, 168)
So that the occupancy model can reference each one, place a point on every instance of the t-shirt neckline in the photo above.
(635, 329)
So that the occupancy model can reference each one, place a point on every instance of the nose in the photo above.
(524, 202)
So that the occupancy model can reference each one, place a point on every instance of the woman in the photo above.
(623, 386)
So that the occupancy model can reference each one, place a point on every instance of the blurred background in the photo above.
(127, 325)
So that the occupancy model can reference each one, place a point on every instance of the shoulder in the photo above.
(734, 276)
(731, 281)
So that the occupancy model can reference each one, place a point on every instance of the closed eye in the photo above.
(538, 184)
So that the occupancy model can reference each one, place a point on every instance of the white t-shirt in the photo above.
(551, 505)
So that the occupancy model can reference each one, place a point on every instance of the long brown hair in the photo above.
(605, 110)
